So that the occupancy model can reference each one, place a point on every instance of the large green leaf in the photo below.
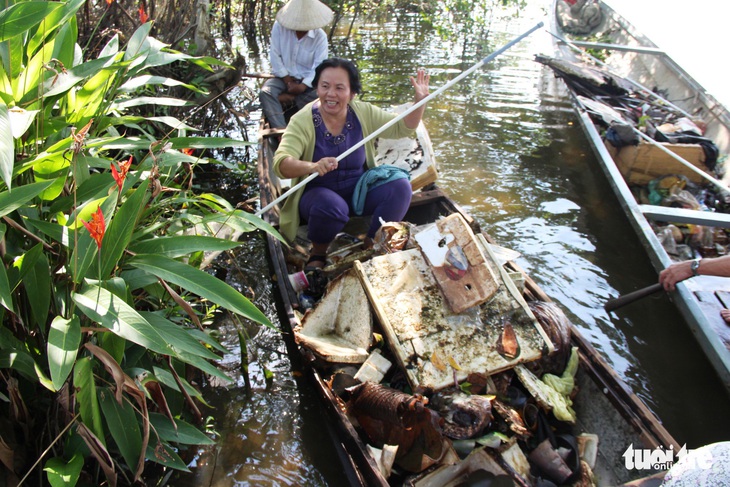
(20, 120)
(37, 283)
(64, 339)
(23, 16)
(178, 143)
(26, 85)
(149, 80)
(62, 474)
(178, 432)
(7, 146)
(188, 349)
(73, 76)
(123, 426)
(120, 230)
(24, 264)
(182, 245)
(112, 312)
(86, 102)
(12, 200)
(58, 233)
(137, 45)
(163, 101)
(18, 360)
(177, 337)
(167, 379)
(201, 283)
(60, 17)
(6, 297)
(86, 397)
(163, 454)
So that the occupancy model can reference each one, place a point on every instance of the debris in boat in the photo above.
(420, 326)
(465, 415)
(550, 463)
(339, 329)
(392, 417)
(457, 263)
(553, 392)
(513, 460)
(385, 458)
(374, 368)
(557, 326)
(392, 237)
(512, 418)
(507, 344)
(588, 448)
(478, 462)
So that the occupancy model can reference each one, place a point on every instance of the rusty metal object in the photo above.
(391, 417)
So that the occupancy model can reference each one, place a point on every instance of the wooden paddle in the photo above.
(615, 303)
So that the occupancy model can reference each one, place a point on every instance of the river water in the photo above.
(511, 153)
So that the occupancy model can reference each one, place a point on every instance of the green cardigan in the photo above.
(298, 142)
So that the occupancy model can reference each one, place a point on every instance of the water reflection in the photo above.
(511, 154)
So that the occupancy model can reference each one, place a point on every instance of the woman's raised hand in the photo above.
(420, 84)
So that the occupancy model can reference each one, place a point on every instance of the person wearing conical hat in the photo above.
(298, 46)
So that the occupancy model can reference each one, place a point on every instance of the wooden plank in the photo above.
(434, 345)
(712, 306)
(682, 215)
(270, 132)
(619, 47)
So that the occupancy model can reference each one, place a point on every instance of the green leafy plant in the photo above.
(103, 304)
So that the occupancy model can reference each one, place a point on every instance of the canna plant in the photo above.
(102, 299)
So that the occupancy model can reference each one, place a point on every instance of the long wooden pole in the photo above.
(404, 114)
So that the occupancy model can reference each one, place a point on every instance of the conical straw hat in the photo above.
(304, 15)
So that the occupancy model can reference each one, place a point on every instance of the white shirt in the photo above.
(296, 57)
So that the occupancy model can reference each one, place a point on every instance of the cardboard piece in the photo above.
(641, 163)
(458, 263)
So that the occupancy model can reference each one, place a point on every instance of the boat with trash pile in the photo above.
(662, 142)
(439, 361)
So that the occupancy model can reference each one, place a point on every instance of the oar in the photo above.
(404, 114)
(620, 301)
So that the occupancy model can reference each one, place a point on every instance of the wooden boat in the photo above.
(375, 311)
(670, 174)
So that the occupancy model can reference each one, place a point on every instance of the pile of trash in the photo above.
(443, 386)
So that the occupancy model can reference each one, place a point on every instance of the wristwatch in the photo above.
(695, 266)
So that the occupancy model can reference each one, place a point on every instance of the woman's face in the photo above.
(333, 91)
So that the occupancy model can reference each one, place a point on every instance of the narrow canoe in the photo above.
(500, 442)
(616, 76)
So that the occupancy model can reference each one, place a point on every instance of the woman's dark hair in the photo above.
(338, 62)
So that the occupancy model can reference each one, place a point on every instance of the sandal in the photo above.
(315, 258)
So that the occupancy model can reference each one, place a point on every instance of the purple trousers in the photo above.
(326, 211)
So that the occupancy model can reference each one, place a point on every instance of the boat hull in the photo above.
(634, 57)
(604, 404)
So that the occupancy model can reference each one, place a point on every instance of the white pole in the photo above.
(404, 114)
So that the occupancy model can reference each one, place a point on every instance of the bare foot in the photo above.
(725, 313)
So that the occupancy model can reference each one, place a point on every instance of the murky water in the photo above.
(510, 151)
